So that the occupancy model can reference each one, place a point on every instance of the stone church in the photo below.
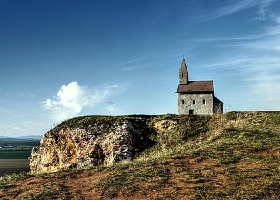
(196, 97)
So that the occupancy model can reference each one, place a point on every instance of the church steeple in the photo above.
(183, 73)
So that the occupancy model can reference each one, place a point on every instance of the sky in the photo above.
(65, 58)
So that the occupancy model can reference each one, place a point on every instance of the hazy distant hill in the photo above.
(23, 141)
(28, 137)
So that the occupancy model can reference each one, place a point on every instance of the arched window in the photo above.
(203, 101)
(193, 102)
(183, 101)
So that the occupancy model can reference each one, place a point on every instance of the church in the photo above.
(196, 97)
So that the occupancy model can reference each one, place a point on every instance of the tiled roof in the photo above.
(196, 87)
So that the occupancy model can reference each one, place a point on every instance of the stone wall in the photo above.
(197, 103)
(218, 107)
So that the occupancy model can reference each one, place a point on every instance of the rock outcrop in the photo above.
(86, 141)
(102, 140)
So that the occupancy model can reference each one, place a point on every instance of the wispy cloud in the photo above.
(237, 6)
(259, 77)
(255, 57)
(138, 63)
(72, 99)
(21, 94)
(139, 67)
(111, 106)
(267, 39)
(131, 64)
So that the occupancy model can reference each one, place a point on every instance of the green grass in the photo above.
(127, 181)
(48, 192)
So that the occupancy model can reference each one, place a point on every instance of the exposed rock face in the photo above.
(86, 141)
(165, 124)
(102, 140)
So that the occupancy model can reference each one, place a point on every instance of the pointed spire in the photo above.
(183, 64)
(183, 72)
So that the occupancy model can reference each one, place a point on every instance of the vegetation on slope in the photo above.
(231, 156)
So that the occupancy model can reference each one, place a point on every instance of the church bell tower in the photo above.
(183, 73)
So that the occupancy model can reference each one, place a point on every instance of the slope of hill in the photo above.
(231, 156)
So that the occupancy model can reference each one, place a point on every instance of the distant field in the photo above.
(13, 154)
(14, 161)
(13, 166)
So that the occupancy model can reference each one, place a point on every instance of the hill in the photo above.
(19, 142)
(230, 156)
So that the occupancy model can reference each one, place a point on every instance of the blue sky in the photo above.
(64, 58)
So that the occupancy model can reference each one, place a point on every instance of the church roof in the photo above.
(196, 87)
(216, 100)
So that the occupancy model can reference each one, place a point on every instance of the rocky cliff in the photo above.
(85, 141)
(100, 140)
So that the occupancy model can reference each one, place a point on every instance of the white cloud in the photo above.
(72, 99)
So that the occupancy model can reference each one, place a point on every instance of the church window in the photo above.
(203, 101)
(183, 101)
(193, 102)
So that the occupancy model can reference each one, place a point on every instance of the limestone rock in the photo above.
(89, 142)
(165, 124)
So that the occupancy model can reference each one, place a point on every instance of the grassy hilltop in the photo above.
(230, 156)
